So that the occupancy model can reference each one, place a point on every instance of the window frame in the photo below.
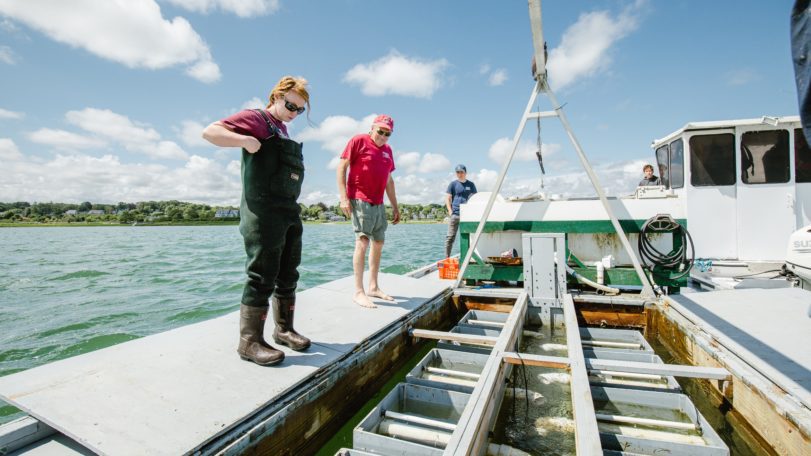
(693, 162)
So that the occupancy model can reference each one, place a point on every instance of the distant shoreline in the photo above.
(201, 223)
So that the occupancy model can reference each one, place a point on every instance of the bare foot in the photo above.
(362, 300)
(378, 293)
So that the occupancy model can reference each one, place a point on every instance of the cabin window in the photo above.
(670, 159)
(764, 157)
(677, 163)
(663, 160)
(802, 157)
(712, 160)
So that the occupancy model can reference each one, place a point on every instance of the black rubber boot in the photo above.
(283, 311)
(252, 345)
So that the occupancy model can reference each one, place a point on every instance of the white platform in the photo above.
(171, 392)
(769, 329)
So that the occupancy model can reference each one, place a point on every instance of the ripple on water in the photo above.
(194, 315)
(16, 354)
(96, 321)
(83, 274)
(7, 411)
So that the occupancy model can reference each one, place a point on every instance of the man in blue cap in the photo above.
(459, 191)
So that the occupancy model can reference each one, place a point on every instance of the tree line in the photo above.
(178, 212)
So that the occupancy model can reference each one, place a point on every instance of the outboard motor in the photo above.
(798, 256)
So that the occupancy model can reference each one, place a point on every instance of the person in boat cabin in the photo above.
(459, 191)
(270, 224)
(370, 162)
(649, 179)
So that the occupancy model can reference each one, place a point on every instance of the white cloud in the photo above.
(502, 147)
(407, 162)
(319, 196)
(9, 150)
(411, 162)
(112, 125)
(253, 103)
(191, 133)
(234, 168)
(7, 55)
(485, 179)
(61, 139)
(8, 26)
(334, 132)
(117, 128)
(617, 178)
(395, 74)
(6, 114)
(584, 50)
(205, 70)
(242, 8)
(484, 69)
(434, 162)
(498, 77)
(76, 178)
(742, 76)
(167, 150)
(413, 189)
(134, 33)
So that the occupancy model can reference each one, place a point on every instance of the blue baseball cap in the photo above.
(461, 168)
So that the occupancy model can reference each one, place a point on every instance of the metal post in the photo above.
(499, 182)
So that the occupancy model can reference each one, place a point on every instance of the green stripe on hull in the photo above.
(558, 226)
(617, 276)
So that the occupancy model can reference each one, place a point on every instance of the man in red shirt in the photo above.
(370, 162)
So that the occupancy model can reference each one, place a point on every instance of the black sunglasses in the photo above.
(383, 132)
(293, 108)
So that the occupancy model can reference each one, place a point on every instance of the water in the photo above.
(545, 425)
(67, 291)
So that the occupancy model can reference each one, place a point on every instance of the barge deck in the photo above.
(186, 391)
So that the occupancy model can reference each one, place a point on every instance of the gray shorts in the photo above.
(369, 219)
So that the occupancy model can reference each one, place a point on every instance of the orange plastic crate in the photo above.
(448, 268)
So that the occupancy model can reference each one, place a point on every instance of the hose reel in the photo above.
(676, 259)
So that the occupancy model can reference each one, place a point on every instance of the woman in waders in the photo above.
(272, 172)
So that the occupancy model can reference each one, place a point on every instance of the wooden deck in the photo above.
(769, 329)
(171, 393)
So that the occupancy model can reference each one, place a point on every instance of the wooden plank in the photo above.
(502, 308)
(509, 293)
(530, 359)
(471, 433)
(585, 430)
(455, 337)
(675, 370)
(613, 319)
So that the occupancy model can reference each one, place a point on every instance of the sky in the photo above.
(105, 101)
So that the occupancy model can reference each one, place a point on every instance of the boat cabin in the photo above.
(745, 184)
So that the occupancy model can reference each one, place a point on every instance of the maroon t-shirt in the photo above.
(249, 122)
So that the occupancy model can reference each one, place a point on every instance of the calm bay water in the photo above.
(67, 291)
